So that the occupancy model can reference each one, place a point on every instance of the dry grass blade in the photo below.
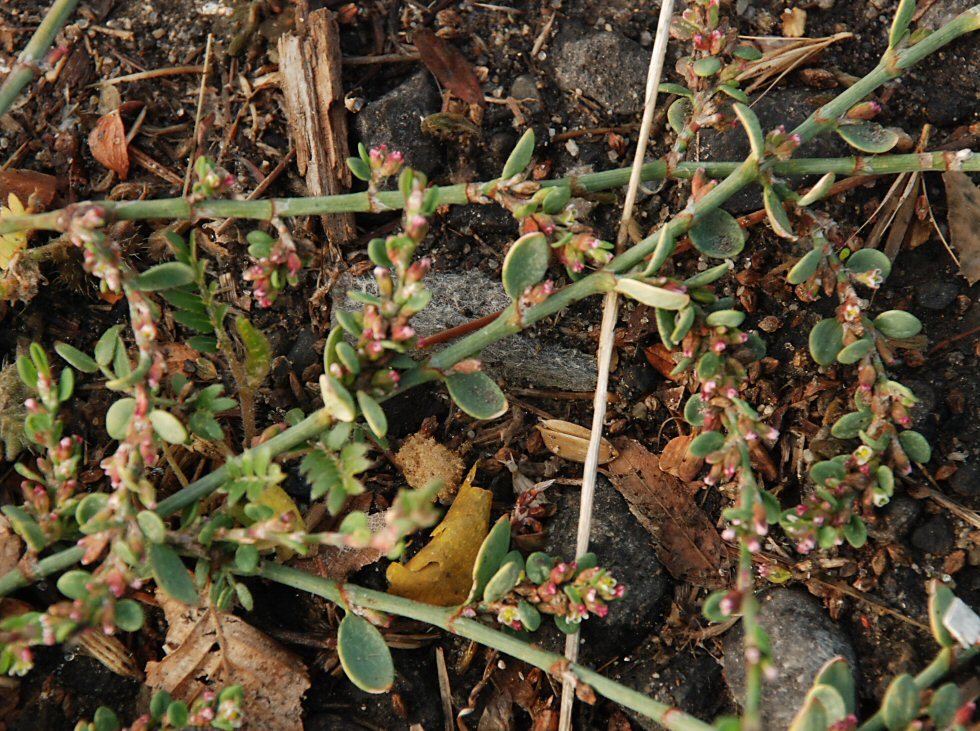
(687, 542)
(781, 57)
(207, 649)
(109, 651)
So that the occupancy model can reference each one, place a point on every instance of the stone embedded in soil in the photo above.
(690, 680)
(604, 66)
(923, 413)
(936, 293)
(934, 536)
(895, 519)
(965, 482)
(395, 120)
(623, 547)
(460, 298)
(803, 638)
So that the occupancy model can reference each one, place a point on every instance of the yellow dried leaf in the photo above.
(13, 243)
(442, 572)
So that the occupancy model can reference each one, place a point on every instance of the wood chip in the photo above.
(310, 76)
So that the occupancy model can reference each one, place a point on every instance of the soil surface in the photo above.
(582, 93)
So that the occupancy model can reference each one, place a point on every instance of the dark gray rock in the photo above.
(934, 536)
(525, 86)
(788, 107)
(606, 67)
(691, 681)
(803, 638)
(625, 548)
(937, 293)
(895, 519)
(395, 120)
(966, 480)
(460, 298)
(923, 414)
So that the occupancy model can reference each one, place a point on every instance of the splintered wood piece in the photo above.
(310, 73)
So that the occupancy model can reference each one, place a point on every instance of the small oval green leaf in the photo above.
(826, 341)
(806, 267)
(753, 130)
(525, 264)
(170, 573)
(707, 66)
(520, 156)
(665, 299)
(778, 219)
(898, 324)
(850, 425)
(678, 113)
(900, 705)
(818, 192)
(491, 556)
(477, 395)
(152, 526)
(168, 275)
(374, 415)
(915, 446)
(694, 410)
(129, 615)
(717, 234)
(73, 356)
(118, 416)
(864, 260)
(868, 137)
(855, 351)
(725, 318)
(364, 655)
(706, 443)
(940, 599)
(168, 426)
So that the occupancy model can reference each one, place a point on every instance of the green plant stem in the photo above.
(267, 209)
(748, 495)
(26, 67)
(944, 662)
(296, 435)
(447, 618)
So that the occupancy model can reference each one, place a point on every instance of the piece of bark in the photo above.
(310, 73)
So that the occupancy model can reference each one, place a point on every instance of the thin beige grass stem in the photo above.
(610, 312)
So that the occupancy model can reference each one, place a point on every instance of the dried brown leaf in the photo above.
(107, 141)
(963, 199)
(449, 66)
(210, 650)
(11, 547)
(27, 183)
(571, 441)
(687, 543)
(676, 460)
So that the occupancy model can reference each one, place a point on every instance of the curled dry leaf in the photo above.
(212, 650)
(676, 461)
(442, 572)
(449, 66)
(571, 441)
(686, 541)
(107, 141)
(963, 200)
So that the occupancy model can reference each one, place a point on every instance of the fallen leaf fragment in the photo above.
(449, 66)
(571, 441)
(212, 650)
(107, 140)
(442, 572)
(963, 200)
(687, 543)
(676, 461)
(11, 547)
(27, 183)
(794, 22)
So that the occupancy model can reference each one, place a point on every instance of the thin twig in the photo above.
(151, 74)
(610, 311)
(200, 111)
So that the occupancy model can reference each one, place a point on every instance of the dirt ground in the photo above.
(875, 596)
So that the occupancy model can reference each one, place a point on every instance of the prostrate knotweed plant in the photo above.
(235, 521)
